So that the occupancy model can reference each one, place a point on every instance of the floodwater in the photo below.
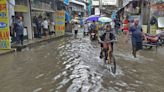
(73, 65)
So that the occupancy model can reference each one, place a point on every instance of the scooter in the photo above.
(93, 35)
(85, 33)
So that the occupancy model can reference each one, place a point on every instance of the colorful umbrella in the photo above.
(93, 18)
(104, 19)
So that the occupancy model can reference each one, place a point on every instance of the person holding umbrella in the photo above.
(93, 31)
(93, 26)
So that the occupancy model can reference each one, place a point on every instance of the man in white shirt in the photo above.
(85, 29)
(45, 27)
(112, 25)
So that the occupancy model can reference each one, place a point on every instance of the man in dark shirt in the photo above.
(107, 36)
(93, 26)
(136, 37)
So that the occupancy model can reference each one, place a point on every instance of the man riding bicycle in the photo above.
(106, 38)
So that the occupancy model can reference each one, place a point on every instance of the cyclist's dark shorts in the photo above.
(101, 45)
(112, 45)
(76, 31)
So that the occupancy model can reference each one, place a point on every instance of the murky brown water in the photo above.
(73, 65)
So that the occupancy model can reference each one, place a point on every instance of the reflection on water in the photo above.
(73, 65)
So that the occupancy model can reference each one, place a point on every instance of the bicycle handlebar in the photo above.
(108, 41)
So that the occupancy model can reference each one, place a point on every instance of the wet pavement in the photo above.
(73, 65)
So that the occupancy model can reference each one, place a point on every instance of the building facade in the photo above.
(77, 8)
(28, 9)
(22, 9)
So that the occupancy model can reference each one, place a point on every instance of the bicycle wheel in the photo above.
(148, 47)
(105, 57)
(113, 64)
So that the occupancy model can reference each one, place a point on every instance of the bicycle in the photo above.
(108, 54)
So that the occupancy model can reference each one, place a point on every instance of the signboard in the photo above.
(113, 16)
(158, 9)
(109, 2)
(161, 22)
(97, 11)
(95, 3)
(4, 26)
(60, 23)
(66, 2)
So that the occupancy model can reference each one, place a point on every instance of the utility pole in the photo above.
(148, 25)
(100, 7)
(142, 12)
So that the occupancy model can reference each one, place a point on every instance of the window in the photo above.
(21, 2)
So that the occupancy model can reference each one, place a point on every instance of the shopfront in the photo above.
(157, 14)
(42, 9)
(77, 8)
(22, 9)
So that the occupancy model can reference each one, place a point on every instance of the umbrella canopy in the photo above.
(105, 19)
(93, 18)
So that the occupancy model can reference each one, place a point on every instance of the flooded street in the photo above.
(73, 65)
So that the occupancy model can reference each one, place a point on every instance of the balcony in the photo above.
(41, 5)
(21, 2)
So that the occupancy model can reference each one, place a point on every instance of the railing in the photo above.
(42, 5)
(21, 2)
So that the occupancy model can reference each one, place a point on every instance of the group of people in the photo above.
(129, 28)
(132, 27)
(43, 27)
(135, 30)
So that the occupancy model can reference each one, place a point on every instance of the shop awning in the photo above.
(127, 2)
(37, 9)
(119, 9)
(161, 22)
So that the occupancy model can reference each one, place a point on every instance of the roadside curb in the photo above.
(39, 42)
(32, 44)
(8, 52)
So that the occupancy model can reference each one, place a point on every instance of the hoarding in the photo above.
(4, 26)
(97, 11)
(95, 3)
(161, 22)
(109, 2)
(60, 23)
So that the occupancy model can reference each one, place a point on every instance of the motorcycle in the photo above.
(93, 35)
(161, 39)
(151, 41)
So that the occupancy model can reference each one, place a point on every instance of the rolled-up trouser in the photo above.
(76, 31)
(39, 34)
(136, 45)
(20, 38)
